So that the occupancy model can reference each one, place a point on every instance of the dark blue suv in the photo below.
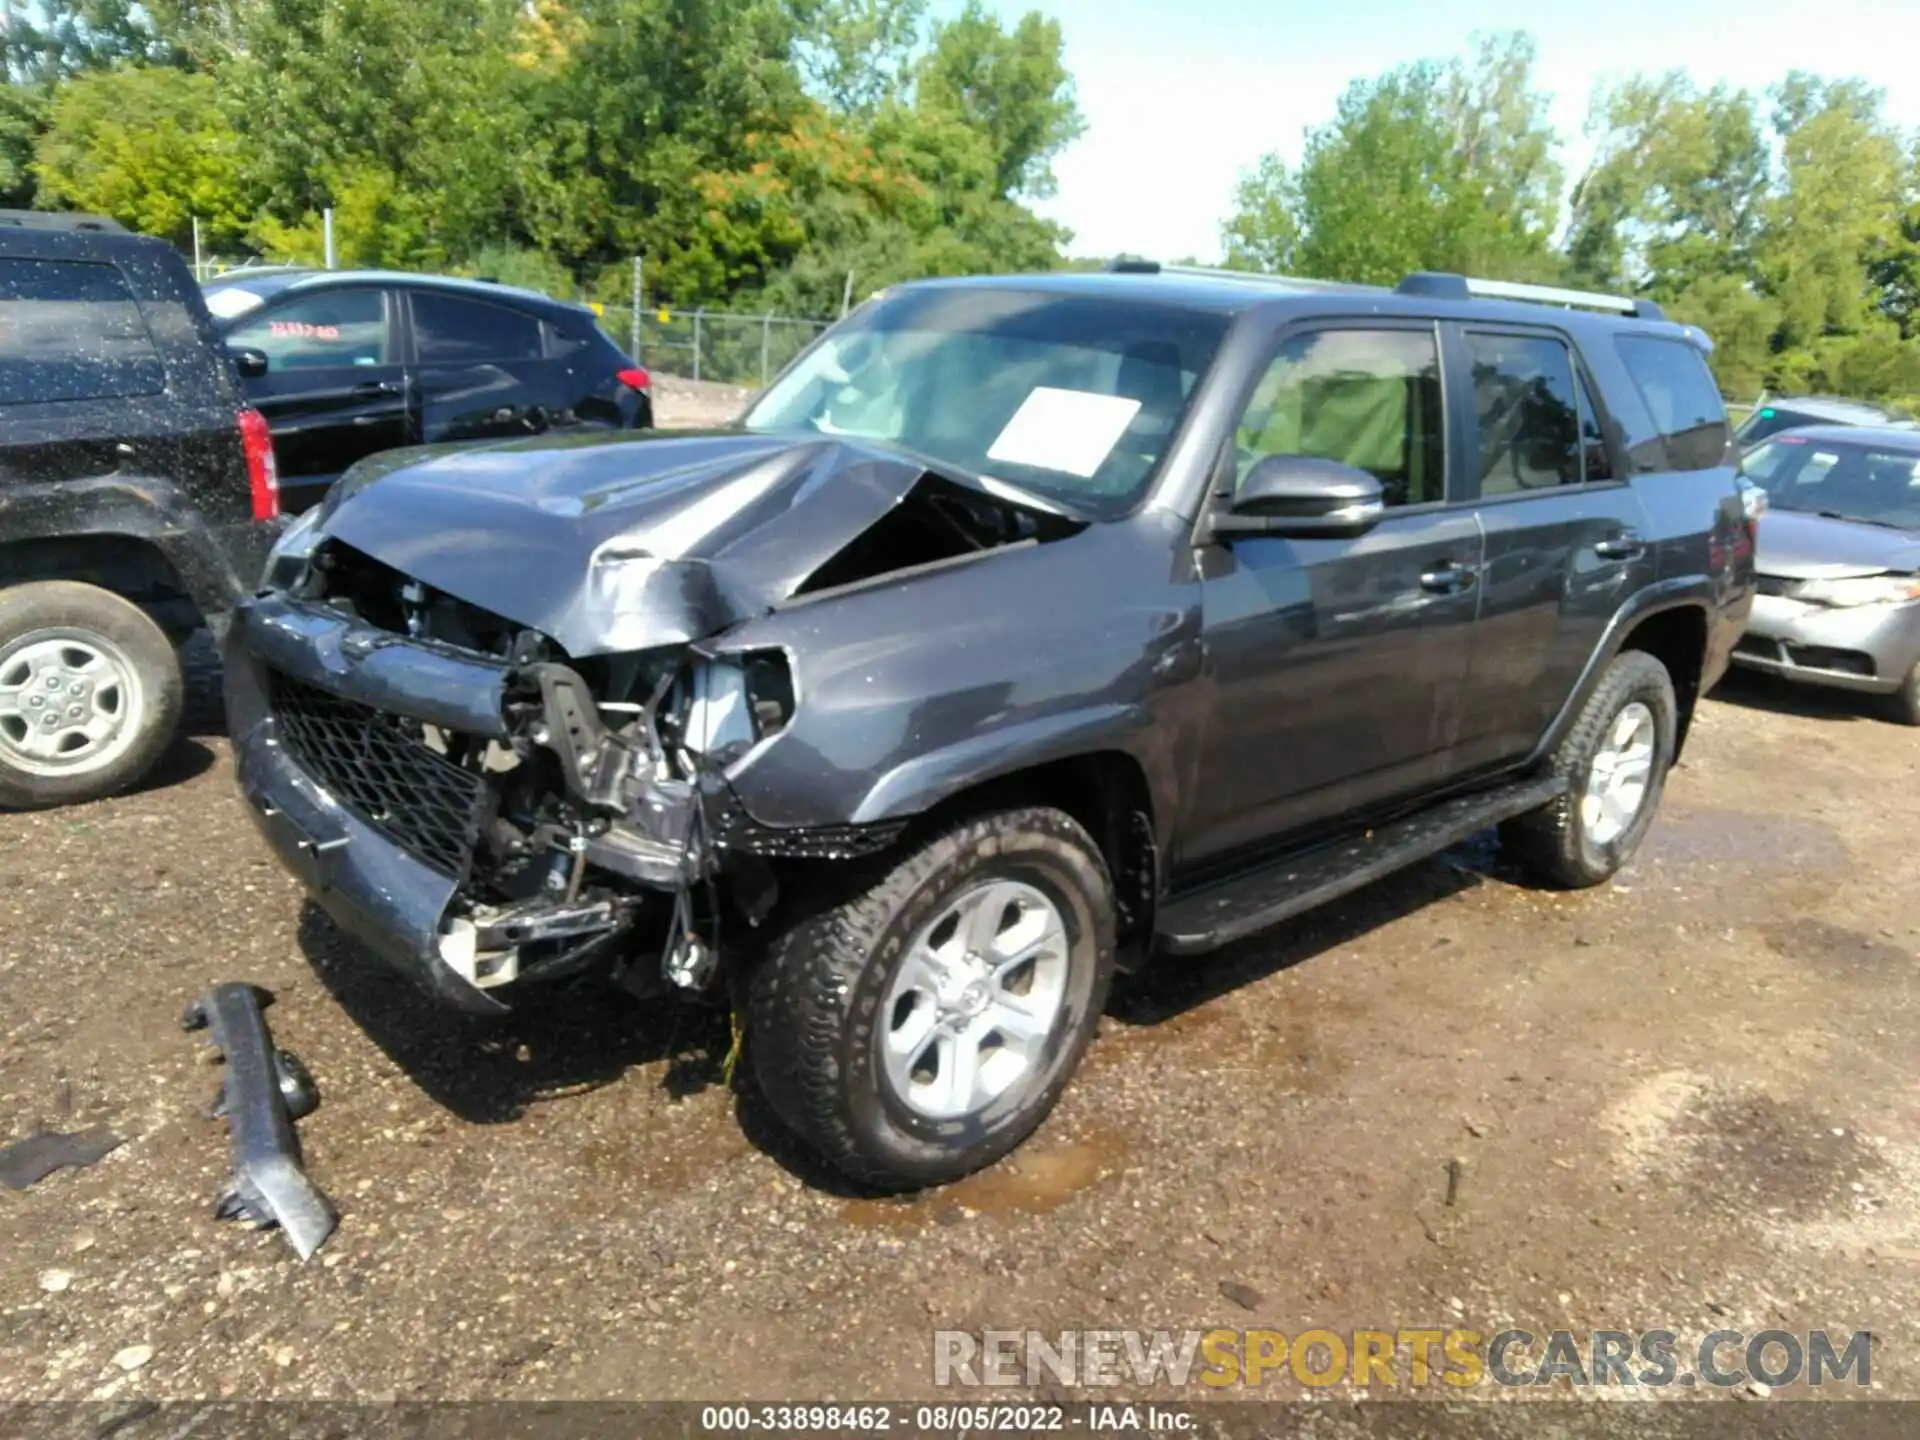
(346, 363)
(1023, 629)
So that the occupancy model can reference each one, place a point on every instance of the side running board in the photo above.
(1231, 909)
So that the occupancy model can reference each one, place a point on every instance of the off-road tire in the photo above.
(154, 666)
(814, 1001)
(1552, 844)
(1904, 703)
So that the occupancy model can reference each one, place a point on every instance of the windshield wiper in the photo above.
(1860, 519)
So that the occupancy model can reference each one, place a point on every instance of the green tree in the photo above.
(149, 146)
(1012, 87)
(21, 110)
(1430, 166)
(1837, 210)
(857, 55)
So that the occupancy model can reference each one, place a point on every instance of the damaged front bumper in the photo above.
(383, 831)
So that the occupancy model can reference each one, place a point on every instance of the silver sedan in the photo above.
(1839, 562)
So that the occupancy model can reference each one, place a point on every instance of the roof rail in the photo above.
(1443, 286)
(1290, 282)
(1134, 265)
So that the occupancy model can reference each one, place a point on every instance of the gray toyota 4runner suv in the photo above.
(1023, 629)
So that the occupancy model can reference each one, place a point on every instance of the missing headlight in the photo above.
(735, 701)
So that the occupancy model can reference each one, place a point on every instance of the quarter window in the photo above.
(1672, 377)
(1365, 398)
(452, 330)
(70, 330)
(334, 327)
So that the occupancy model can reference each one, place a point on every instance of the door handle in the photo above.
(1448, 579)
(1623, 546)
(374, 389)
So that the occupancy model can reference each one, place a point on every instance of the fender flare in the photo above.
(917, 785)
(1681, 592)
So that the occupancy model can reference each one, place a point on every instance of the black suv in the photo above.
(1022, 629)
(347, 363)
(137, 500)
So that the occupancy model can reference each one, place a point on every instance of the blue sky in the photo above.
(1181, 96)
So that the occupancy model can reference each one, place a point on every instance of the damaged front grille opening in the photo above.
(582, 838)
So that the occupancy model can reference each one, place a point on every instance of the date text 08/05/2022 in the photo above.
(1101, 1418)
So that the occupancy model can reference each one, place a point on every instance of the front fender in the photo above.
(911, 691)
(926, 780)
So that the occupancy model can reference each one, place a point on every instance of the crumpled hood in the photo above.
(1798, 546)
(622, 542)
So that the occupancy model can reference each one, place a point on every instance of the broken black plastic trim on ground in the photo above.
(265, 1090)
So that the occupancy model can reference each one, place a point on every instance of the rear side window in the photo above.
(1529, 417)
(1672, 377)
(453, 330)
(70, 330)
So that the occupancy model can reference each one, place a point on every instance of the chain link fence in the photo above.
(729, 346)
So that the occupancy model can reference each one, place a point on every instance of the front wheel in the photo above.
(925, 1027)
(1615, 761)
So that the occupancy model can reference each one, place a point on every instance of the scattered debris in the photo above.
(1245, 1296)
(133, 1357)
(1456, 1171)
(266, 1089)
(29, 1161)
(55, 1281)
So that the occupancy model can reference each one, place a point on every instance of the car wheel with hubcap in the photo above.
(90, 693)
(1906, 700)
(1615, 759)
(924, 1027)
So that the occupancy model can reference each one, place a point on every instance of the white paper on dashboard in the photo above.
(1072, 431)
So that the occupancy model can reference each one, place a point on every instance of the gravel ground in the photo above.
(1682, 1101)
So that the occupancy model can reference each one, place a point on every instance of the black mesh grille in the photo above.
(390, 779)
(1774, 584)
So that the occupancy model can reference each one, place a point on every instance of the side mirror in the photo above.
(1303, 497)
(251, 363)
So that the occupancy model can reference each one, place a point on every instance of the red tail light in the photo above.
(263, 472)
(634, 379)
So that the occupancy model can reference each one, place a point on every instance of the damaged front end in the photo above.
(482, 819)
(484, 806)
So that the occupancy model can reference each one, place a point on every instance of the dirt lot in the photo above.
(1681, 1101)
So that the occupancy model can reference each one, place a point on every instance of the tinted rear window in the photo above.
(1672, 377)
(452, 330)
(70, 330)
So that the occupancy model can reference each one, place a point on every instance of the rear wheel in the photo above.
(925, 1027)
(1905, 702)
(1615, 761)
(90, 694)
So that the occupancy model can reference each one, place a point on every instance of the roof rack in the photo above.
(1442, 286)
(1132, 265)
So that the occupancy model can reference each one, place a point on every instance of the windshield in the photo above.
(1855, 482)
(1070, 397)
